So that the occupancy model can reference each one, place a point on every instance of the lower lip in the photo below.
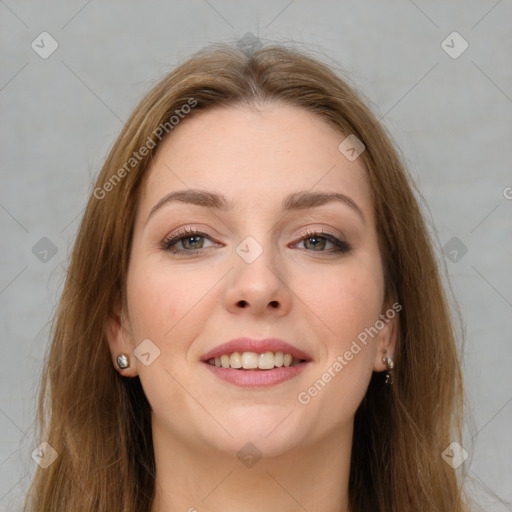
(257, 378)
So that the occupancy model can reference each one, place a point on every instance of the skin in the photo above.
(296, 290)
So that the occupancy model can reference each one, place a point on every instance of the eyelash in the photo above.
(340, 246)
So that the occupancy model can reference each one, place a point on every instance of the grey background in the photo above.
(451, 118)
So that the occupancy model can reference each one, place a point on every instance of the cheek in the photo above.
(167, 305)
(345, 302)
(345, 305)
(158, 299)
(152, 303)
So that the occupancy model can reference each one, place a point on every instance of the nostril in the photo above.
(243, 303)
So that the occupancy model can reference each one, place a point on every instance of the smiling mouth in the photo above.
(255, 360)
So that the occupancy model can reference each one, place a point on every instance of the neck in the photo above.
(192, 479)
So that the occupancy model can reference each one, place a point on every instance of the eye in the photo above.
(188, 238)
(192, 242)
(318, 240)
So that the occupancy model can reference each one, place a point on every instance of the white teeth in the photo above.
(249, 360)
(266, 361)
(253, 360)
(235, 361)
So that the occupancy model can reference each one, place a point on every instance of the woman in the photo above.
(253, 316)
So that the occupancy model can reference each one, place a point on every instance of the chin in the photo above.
(272, 430)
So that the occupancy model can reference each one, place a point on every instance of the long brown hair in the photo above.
(99, 422)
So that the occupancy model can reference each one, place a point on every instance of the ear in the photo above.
(386, 341)
(119, 340)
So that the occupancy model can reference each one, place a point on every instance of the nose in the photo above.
(258, 288)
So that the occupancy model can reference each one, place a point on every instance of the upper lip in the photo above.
(255, 345)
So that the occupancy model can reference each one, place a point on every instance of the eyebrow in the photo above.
(295, 201)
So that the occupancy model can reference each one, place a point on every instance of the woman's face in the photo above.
(272, 258)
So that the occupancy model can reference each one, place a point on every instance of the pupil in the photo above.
(187, 240)
(317, 241)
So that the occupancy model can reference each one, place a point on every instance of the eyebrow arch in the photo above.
(295, 201)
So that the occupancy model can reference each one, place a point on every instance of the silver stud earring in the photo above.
(390, 365)
(122, 362)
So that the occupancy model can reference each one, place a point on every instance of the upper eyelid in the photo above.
(191, 231)
(308, 229)
(323, 231)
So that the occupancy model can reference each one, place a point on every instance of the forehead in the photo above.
(255, 156)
